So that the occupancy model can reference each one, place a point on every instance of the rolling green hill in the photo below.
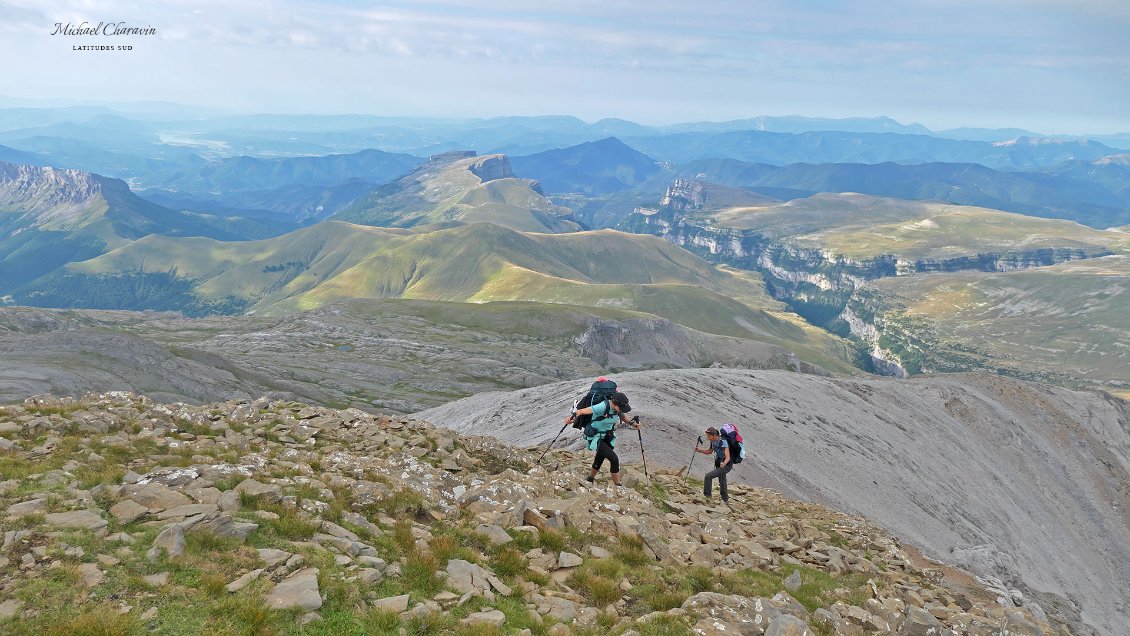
(460, 186)
(334, 261)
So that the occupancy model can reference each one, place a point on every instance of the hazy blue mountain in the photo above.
(1120, 141)
(11, 155)
(1112, 172)
(595, 167)
(802, 124)
(839, 147)
(250, 174)
(92, 157)
(26, 117)
(297, 203)
(1079, 196)
(986, 134)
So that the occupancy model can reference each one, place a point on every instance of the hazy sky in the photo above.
(1055, 66)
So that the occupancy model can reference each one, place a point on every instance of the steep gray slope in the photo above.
(398, 355)
(1024, 482)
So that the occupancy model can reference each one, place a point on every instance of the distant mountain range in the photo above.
(232, 175)
(841, 147)
(1096, 193)
(50, 217)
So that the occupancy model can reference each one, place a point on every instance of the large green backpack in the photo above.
(601, 391)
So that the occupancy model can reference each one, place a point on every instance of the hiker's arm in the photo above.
(572, 416)
(726, 459)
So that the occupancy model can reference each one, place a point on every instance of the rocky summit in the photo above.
(123, 516)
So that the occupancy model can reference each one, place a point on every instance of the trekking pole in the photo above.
(551, 444)
(698, 443)
(636, 419)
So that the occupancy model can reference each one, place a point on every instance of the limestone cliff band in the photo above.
(102, 28)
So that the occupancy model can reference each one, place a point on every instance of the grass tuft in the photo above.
(99, 621)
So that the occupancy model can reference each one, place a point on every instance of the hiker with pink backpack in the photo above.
(727, 448)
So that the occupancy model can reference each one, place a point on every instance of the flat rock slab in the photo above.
(300, 590)
(171, 540)
(243, 581)
(494, 618)
(33, 507)
(128, 511)
(496, 534)
(273, 556)
(9, 608)
(85, 519)
(188, 510)
(156, 496)
(568, 560)
(396, 604)
(90, 575)
(156, 580)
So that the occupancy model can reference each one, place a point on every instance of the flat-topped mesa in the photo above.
(486, 168)
(492, 167)
(451, 156)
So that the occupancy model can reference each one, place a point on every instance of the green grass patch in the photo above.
(101, 620)
(430, 625)
(400, 504)
(664, 626)
(815, 589)
(599, 590)
(290, 525)
(419, 575)
(509, 562)
(553, 541)
(630, 552)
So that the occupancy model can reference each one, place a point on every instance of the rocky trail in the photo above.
(122, 516)
(1026, 485)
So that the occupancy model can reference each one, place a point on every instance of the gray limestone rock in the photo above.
(786, 625)
(155, 496)
(127, 511)
(490, 618)
(171, 540)
(84, 519)
(32, 507)
(792, 581)
(496, 534)
(919, 622)
(90, 575)
(243, 581)
(300, 590)
(394, 604)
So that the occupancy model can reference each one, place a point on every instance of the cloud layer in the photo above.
(1054, 64)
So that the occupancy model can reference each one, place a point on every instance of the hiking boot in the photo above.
(590, 479)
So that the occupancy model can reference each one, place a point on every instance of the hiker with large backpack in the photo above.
(597, 415)
(727, 451)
